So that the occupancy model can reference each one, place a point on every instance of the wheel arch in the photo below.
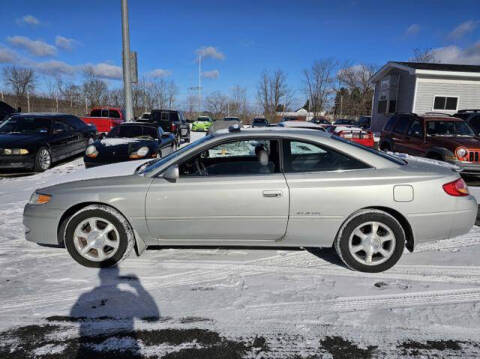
(139, 244)
(410, 241)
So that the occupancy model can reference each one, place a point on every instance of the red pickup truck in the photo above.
(105, 118)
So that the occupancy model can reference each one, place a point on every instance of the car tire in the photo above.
(363, 250)
(88, 246)
(43, 160)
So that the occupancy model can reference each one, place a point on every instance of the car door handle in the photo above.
(272, 194)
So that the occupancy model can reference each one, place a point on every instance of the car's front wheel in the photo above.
(371, 241)
(98, 236)
(43, 160)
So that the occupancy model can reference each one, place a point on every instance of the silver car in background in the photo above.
(269, 187)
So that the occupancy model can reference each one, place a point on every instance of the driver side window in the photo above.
(416, 129)
(246, 157)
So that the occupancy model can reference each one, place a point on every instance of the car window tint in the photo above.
(96, 113)
(75, 122)
(307, 157)
(165, 116)
(247, 157)
(475, 123)
(114, 114)
(104, 113)
(150, 132)
(389, 124)
(60, 126)
(416, 129)
(402, 124)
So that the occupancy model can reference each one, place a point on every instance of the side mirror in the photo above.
(172, 173)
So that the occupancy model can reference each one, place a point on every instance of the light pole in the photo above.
(127, 87)
(199, 83)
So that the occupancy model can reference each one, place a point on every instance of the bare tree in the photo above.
(319, 83)
(273, 93)
(172, 91)
(20, 80)
(425, 55)
(217, 103)
(238, 105)
(95, 90)
(355, 79)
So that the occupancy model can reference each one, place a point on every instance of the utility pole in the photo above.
(199, 83)
(127, 87)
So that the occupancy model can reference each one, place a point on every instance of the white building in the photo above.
(403, 87)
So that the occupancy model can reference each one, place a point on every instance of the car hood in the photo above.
(116, 144)
(454, 142)
(15, 140)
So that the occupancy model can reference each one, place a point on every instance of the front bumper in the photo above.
(25, 161)
(41, 223)
(468, 168)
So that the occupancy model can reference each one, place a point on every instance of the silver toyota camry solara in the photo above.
(267, 187)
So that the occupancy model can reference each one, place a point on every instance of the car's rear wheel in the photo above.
(371, 241)
(43, 160)
(98, 236)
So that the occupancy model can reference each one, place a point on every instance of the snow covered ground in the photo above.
(231, 303)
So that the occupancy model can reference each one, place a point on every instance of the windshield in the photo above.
(25, 125)
(133, 132)
(151, 166)
(449, 128)
(231, 119)
(259, 120)
(204, 119)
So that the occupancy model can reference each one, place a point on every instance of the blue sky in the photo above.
(245, 37)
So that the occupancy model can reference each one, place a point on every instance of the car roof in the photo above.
(41, 114)
(276, 131)
(139, 123)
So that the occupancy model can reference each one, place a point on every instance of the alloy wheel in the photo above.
(96, 239)
(45, 160)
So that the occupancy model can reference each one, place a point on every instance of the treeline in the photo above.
(327, 88)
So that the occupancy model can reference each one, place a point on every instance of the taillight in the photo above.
(457, 188)
(173, 127)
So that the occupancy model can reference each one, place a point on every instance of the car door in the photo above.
(62, 140)
(324, 185)
(399, 134)
(414, 143)
(223, 194)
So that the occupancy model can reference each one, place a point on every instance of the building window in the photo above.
(382, 106)
(445, 103)
(392, 106)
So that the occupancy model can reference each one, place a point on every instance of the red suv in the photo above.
(435, 136)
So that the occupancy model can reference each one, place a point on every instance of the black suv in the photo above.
(172, 121)
(472, 117)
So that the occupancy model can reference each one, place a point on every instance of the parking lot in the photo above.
(201, 302)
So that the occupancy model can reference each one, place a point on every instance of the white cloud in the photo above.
(64, 42)
(211, 74)
(159, 73)
(104, 70)
(412, 30)
(34, 47)
(29, 20)
(210, 51)
(55, 67)
(7, 56)
(456, 55)
(462, 29)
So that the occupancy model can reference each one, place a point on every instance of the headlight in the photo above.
(15, 151)
(91, 151)
(461, 152)
(39, 198)
(140, 153)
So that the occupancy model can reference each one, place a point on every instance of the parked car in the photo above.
(444, 138)
(130, 141)
(364, 122)
(226, 122)
(344, 122)
(172, 121)
(289, 118)
(145, 116)
(290, 188)
(105, 118)
(302, 125)
(259, 122)
(464, 114)
(354, 134)
(320, 121)
(5, 111)
(37, 140)
(203, 123)
(472, 117)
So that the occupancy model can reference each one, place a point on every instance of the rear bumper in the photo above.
(444, 225)
(41, 224)
(27, 161)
